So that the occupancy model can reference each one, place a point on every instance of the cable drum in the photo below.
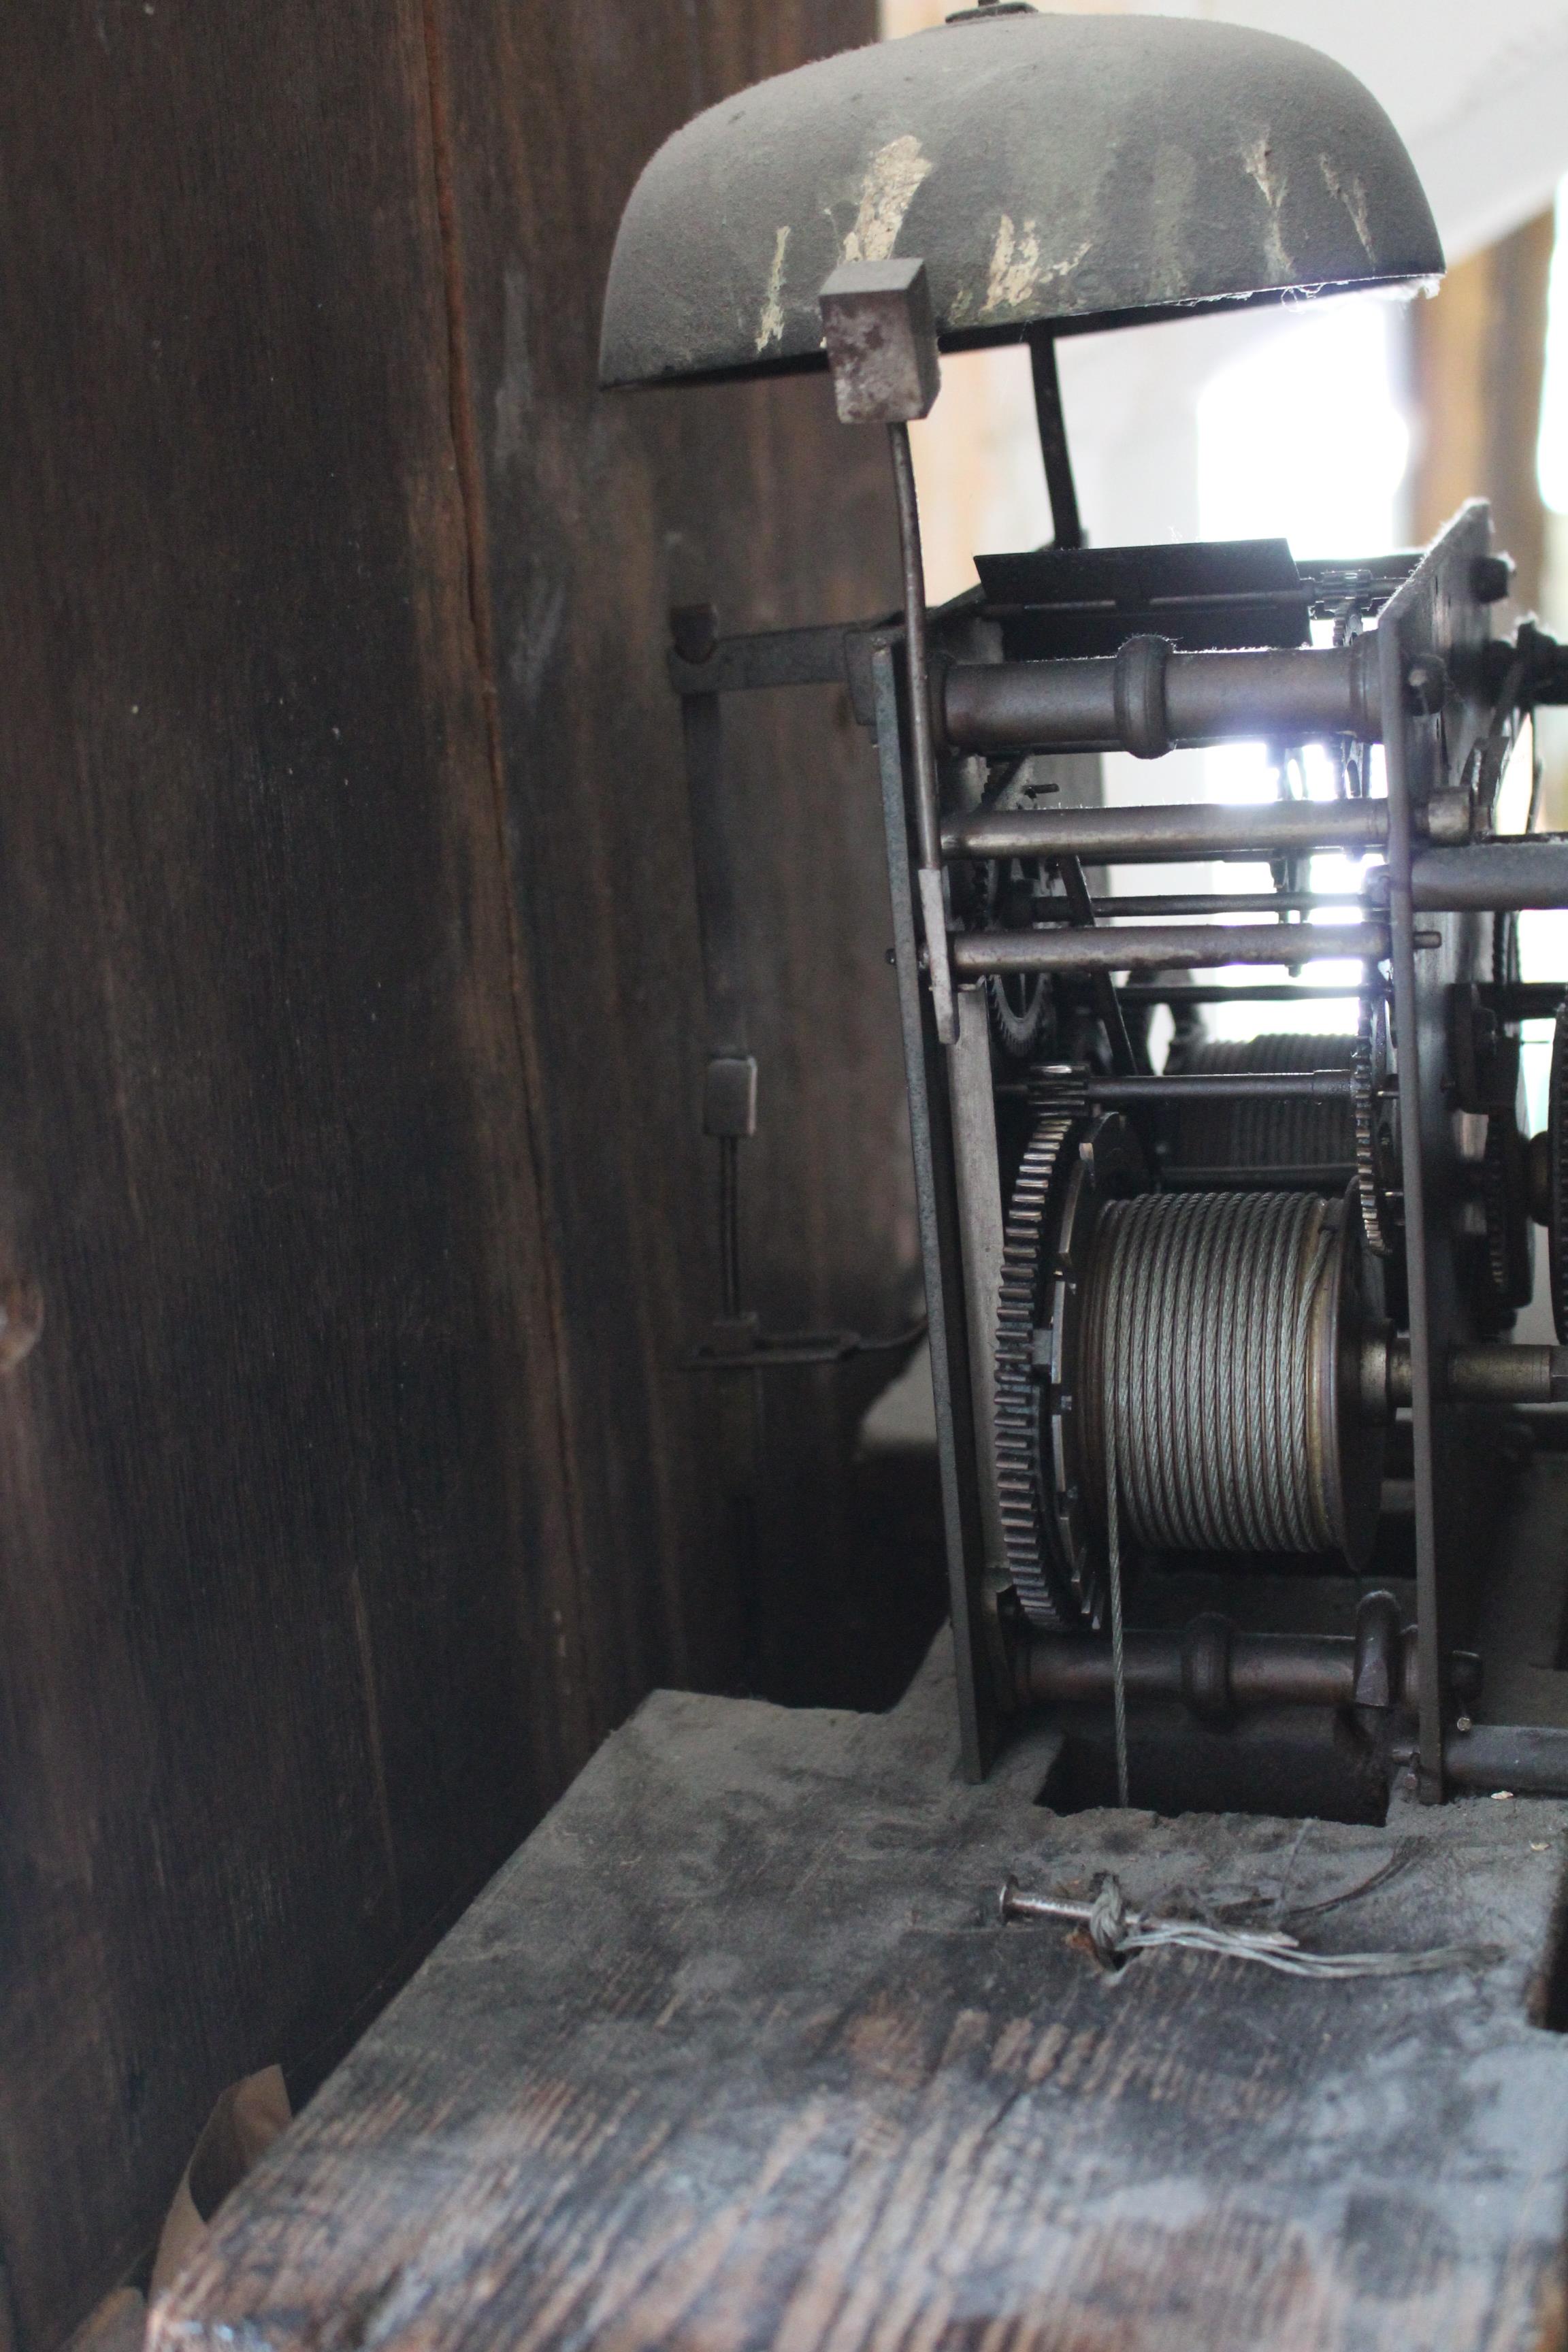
(1263, 1133)
(1210, 1332)
(1209, 1345)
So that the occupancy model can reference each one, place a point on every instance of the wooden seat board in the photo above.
(735, 2052)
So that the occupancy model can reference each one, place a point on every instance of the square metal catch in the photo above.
(730, 1095)
(881, 342)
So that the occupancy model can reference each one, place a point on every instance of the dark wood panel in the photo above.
(737, 2051)
(284, 1529)
(599, 513)
(348, 1064)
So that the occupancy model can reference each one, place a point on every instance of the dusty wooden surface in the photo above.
(734, 2053)
(350, 1042)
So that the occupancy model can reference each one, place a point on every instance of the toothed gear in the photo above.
(1016, 1026)
(1505, 1197)
(1494, 1195)
(1369, 1066)
(1017, 1003)
(1557, 1176)
(1026, 1272)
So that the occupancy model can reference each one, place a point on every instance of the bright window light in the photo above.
(1303, 438)
(1551, 450)
(1543, 934)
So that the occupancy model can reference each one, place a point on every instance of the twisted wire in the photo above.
(1116, 1931)
(1203, 1340)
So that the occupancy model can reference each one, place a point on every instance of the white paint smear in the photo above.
(886, 195)
(770, 325)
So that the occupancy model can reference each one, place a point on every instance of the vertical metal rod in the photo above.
(1408, 1046)
(1067, 531)
(718, 912)
(928, 831)
(1107, 1004)
(730, 1223)
(1118, 1638)
(928, 824)
(889, 756)
(1051, 418)
(695, 630)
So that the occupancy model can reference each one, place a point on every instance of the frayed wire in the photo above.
(1116, 1932)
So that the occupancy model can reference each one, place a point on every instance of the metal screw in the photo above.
(1491, 577)
(1462, 1723)
(1425, 682)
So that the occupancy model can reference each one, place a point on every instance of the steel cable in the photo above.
(1265, 1133)
(1203, 1324)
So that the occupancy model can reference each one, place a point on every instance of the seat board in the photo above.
(735, 2051)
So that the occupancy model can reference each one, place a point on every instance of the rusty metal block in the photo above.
(881, 341)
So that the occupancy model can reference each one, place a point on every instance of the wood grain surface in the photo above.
(600, 513)
(735, 2051)
(353, 1215)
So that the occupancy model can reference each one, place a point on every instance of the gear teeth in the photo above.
(1503, 1191)
(1058, 1095)
(1365, 1083)
(1017, 1031)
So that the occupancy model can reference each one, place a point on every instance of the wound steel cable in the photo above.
(1202, 1337)
(1266, 1132)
